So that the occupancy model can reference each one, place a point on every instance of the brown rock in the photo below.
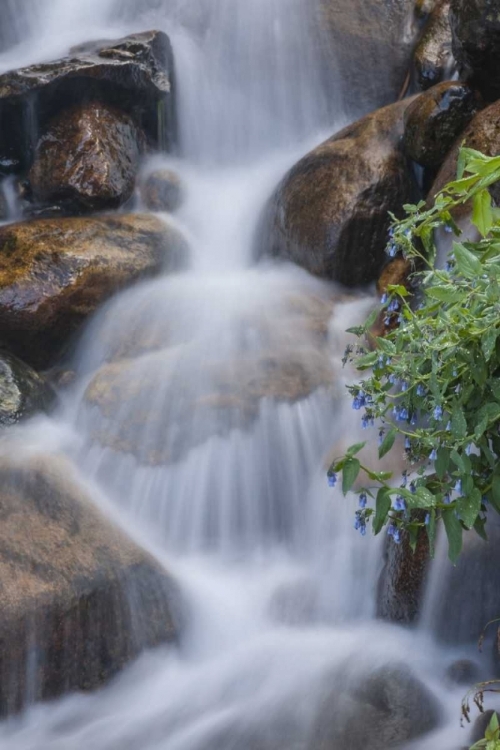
(433, 55)
(87, 160)
(54, 273)
(162, 190)
(23, 392)
(436, 119)
(135, 74)
(330, 214)
(67, 577)
(475, 26)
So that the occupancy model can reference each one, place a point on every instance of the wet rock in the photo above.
(475, 26)
(480, 726)
(435, 120)
(23, 392)
(463, 672)
(401, 582)
(390, 707)
(135, 74)
(396, 272)
(433, 55)
(67, 580)
(371, 44)
(87, 160)
(162, 190)
(56, 272)
(330, 212)
(424, 8)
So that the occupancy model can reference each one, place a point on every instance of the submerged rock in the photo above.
(87, 160)
(330, 214)
(475, 27)
(162, 190)
(23, 392)
(436, 119)
(56, 272)
(433, 55)
(135, 74)
(78, 598)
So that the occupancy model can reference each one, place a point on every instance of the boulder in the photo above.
(56, 272)
(23, 392)
(475, 26)
(68, 579)
(87, 160)
(388, 708)
(435, 120)
(135, 74)
(330, 214)
(433, 56)
(371, 45)
(162, 190)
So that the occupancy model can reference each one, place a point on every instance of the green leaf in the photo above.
(479, 528)
(442, 462)
(353, 449)
(350, 474)
(488, 343)
(482, 216)
(458, 423)
(453, 532)
(387, 442)
(444, 293)
(495, 493)
(468, 507)
(467, 263)
(382, 508)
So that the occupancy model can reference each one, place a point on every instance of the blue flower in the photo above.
(362, 530)
(367, 421)
(391, 250)
(357, 403)
(427, 519)
(404, 386)
(384, 298)
(397, 536)
(448, 229)
(363, 500)
(405, 479)
(438, 412)
(421, 390)
(413, 488)
(433, 456)
(407, 444)
(391, 529)
(393, 306)
(448, 427)
(468, 449)
(403, 414)
(332, 480)
(399, 503)
(447, 499)
(458, 486)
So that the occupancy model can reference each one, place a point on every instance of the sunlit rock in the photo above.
(330, 214)
(161, 190)
(78, 598)
(436, 119)
(135, 74)
(56, 272)
(23, 392)
(87, 160)
(433, 55)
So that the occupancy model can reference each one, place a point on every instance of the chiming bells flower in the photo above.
(427, 519)
(332, 480)
(363, 500)
(438, 412)
(433, 456)
(399, 503)
(421, 390)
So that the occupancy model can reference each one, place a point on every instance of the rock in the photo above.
(371, 44)
(475, 26)
(435, 120)
(389, 708)
(433, 55)
(55, 272)
(480, 726)
(87, 160)
(135, 74)
(67, 580)
(162, 190)
(401, 582)
(330, 212)
(463, 672)
(23, 392)
(424, 8)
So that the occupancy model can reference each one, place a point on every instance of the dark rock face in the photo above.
(436, 119)
(433, 55)
(389, 708)
(330, 212)
(87, 160)
(67, 577)
(402, 580)
(162, 190)
(475, 27)
(54, 273)
(135, 74)
(23, 392)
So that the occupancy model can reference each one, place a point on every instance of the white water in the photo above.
(280, 590)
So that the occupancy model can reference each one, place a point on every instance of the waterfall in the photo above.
(217, 470)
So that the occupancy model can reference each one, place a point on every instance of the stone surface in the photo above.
(433, 55)
(23, 392)
(388, 708)
(55, 272)
(330, 212)
(371, 44)
(436, 119)
(475, 26)
(87, 160)
(135, 74)
(67, 579)
(161, 190)
(463, 672)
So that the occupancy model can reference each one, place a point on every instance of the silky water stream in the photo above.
(212, 456)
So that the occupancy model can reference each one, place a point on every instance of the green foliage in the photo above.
(433, 382)
(491, 739)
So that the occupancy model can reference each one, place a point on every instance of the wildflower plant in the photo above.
(433, 381)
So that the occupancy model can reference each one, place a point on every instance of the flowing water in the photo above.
(227, 489)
